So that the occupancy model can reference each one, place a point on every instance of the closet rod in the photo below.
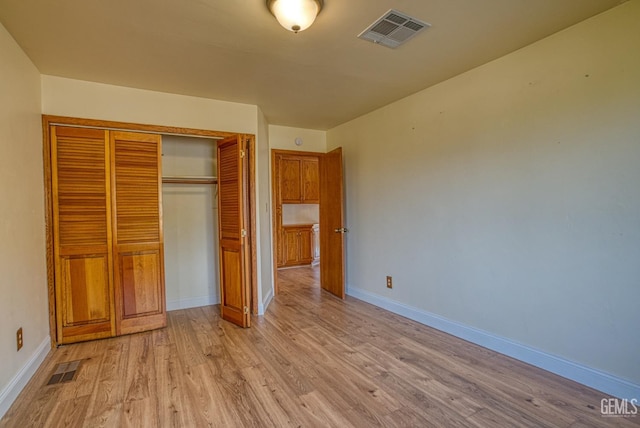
(190, 179)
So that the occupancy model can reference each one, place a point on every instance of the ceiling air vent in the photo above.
(393, 29)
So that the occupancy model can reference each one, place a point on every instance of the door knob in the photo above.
(341, 230)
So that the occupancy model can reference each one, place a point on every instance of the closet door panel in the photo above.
(141, 289)
(232, 274)
(137, 187)
(85, 303)
(82, 231)
(137, 232)
(80, 181)
(86, 290)
(141, 283)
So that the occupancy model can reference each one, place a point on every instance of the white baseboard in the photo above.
(593, 378)
(195, 302)
(192, 302)
(10, 392)
(262, 307)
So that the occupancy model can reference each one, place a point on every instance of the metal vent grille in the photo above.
(65, 372)
(393, 29)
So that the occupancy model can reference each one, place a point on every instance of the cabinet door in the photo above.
(290, 182)
(305, 256)
(310, 181)
(137, 232)
(82, 232)
(298, 247)
(291, 246)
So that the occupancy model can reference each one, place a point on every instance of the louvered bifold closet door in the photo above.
(137, 232)
(232, 231)
(82, 233)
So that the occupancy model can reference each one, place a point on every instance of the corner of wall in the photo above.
(309, 140)
(264, 305)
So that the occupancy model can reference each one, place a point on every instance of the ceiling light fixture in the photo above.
(295, 15)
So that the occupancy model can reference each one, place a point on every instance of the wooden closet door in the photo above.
(82, 232)
(137, 232)
(233, 220)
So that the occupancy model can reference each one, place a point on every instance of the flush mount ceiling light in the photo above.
(295, 15)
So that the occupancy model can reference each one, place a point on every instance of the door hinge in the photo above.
(241, 154)
(243, 233)
(246, 309)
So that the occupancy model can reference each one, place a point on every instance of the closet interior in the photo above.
(190, 213)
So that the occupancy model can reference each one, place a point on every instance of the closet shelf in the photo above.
(190, 179)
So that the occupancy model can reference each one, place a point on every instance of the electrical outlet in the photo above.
(389, 282)
(19, 338)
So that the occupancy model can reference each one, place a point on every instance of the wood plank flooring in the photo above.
(313, 360)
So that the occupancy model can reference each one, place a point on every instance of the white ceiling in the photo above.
(235, 50)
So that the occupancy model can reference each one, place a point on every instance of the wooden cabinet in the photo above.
(299, 179)
(107, 233)
(298, 245)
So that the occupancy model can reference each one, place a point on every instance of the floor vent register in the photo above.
(65, 372)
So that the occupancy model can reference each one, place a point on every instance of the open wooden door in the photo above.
(233, 228)
(332, 228)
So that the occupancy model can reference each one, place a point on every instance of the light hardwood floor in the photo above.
(312, 360)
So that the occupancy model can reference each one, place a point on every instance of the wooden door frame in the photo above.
(49, 120)
(276, 204)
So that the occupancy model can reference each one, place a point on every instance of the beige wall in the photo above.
(507, 198)
(76, 98)
(23, 284)
(283, 138)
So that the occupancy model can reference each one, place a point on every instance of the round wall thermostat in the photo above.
(298, 141)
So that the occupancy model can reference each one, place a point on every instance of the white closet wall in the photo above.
(190, 218)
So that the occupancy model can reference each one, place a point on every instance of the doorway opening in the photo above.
(296, 209)
(308, 221)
